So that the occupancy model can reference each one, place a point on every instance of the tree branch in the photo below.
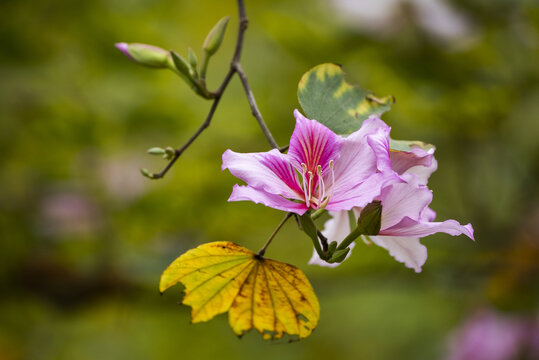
(235, 67)
(254, 108)
(178, 152)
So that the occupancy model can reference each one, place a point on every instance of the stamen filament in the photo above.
(332, 178)
(304, 183)
(310, 187)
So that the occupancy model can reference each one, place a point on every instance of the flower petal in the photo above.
(335, 229)
(402, 199)
(313, 144)
(414, 228)
(428, 214)
(423, 173)
(379, 142)
(360, 195)
(258, 196)
(270, 171)
(363, 154)
(406, 250)
(401, 161)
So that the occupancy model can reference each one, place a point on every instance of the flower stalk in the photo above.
(262, 251)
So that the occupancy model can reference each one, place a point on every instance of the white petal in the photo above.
(406, 250)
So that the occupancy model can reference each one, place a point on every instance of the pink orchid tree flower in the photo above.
(490, 335)
(321, 170)
(406, 216)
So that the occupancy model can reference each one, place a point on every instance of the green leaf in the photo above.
(407, 146)
(325, 96)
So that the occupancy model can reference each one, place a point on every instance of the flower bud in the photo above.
(370, 219)
(147, 55)
(191, 56)
(182, 65)
(169, 153)
(339, 256)
(146, 173)
(156, 151)
(331, 248)
(215, 37)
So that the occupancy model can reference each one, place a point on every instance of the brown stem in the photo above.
(205, 124)
(262, 251)
(323, 240)
(254, 108)
(235, 67)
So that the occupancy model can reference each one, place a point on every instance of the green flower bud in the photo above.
(169, 153)
(182, 65)
(215, 37)
(339, 256)
(191, 56)
(370, 219)
(147, 55)
(146, 173)
(331, 248)
(156, 151)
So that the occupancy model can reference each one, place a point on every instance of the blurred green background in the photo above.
(84, 237)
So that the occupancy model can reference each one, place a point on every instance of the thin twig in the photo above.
(235, 67)
(263, 250)
(254, 108)
(205, 124)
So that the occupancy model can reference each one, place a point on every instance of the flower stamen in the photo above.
(321, 185)
(308, 196)
(332, 178)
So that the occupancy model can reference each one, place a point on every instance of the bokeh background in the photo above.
(84, 237)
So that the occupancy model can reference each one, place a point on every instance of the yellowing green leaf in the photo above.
(325, 96)
(270, 296)
(407, 146)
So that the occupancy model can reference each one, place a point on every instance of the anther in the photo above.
(324, 203)
(310, 184)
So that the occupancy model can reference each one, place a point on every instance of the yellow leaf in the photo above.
(268, 295)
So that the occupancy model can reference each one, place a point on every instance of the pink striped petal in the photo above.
(402, 199)
(415, 228)
(313, 144)
(258, 196)
(357, 172)
(358, 196)
(270, 171)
